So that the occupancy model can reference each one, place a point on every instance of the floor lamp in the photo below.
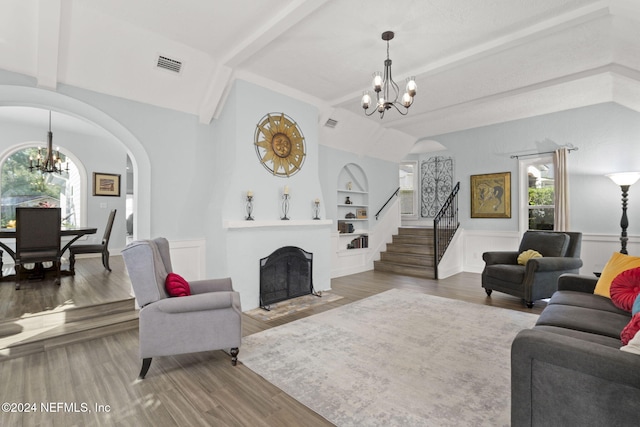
(624, 180)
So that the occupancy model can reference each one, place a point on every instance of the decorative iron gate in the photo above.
(436, 174)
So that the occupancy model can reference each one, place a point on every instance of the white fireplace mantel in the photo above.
(248, 242)
(277, 223)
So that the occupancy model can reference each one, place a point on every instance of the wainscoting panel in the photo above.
(598, 248)
(476, 242)
(188, 258)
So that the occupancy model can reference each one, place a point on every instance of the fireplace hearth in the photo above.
(286, 273)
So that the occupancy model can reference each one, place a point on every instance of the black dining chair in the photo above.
(37, 239)
(98, 248)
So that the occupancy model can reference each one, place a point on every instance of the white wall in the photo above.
(191, 178)
(236, 251)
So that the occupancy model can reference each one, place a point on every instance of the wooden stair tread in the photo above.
(408, 270)
(410, 253)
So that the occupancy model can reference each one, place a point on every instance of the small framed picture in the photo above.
(361, 213)
(491, 195)
(106, 184)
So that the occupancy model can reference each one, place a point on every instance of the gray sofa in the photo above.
(568, 370)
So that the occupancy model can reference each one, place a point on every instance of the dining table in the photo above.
(74, 232)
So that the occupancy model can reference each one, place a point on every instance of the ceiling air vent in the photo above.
(331, 123)
(169, 64)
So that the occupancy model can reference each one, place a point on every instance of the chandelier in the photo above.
(386, 88)
(50, 162)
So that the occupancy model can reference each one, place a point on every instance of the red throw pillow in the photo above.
(176, 286)
(625, 288)
(630, 330)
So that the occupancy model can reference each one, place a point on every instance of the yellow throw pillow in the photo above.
(616, 265)
(527, 255)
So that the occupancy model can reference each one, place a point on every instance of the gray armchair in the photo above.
(538, 278)
(209, 319)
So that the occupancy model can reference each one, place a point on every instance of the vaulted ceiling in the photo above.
(475, 62)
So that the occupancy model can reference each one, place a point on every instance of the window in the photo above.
(540, 193)
(20, 186)
(408, 189)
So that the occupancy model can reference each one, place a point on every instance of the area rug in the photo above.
(291, 306)
(399, 358)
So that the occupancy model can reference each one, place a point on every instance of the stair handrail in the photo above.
(395, 193)
(445, 225)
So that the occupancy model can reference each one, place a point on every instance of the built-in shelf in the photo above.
(277, 223)
(353, 198)
(353, 191)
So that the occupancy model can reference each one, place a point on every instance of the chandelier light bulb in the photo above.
(381, 105)
(412, 87)
(377, 81)
(407, 100)
(366, 100)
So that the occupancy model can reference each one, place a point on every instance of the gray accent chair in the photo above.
(209, 319)
(538, 278)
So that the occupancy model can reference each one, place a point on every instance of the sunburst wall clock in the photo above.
(280, 144)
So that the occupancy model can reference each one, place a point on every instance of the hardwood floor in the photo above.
(191, 389)
(91, 285)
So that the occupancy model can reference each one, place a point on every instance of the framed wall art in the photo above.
(361, 213)
(491, 195)
(106, 184)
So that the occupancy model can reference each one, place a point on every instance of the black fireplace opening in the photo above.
(286, 273)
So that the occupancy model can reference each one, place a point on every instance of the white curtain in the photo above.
(561, 190)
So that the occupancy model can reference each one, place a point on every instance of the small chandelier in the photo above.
(51, 161)
(384, 85)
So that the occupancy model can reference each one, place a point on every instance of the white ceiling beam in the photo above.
(273, 28)
(532, 88)
(49, 12)
(215, 95)
(516, 38)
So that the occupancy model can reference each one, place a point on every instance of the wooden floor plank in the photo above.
(194, 389)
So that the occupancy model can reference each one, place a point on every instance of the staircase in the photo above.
(410, 253)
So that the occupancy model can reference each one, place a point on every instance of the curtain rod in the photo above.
(517, 156)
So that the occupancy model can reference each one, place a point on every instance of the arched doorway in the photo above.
(26, 96)
(12, 96)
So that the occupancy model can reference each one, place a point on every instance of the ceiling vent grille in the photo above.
(331, 123)
(169, 64)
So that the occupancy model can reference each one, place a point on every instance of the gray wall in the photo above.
(199, 172)
(176, 144)
(608, 140)
(97, 153)
(382, 178)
